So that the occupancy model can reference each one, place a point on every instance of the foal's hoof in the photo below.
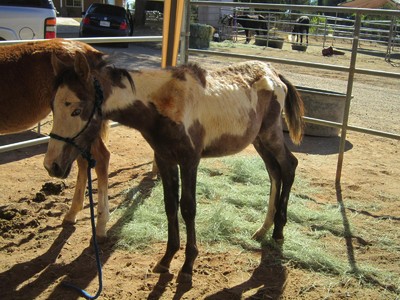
(159, 268)
(259, 234)
(101, 239)
(278, 237)
(68, 223)
(184, 278)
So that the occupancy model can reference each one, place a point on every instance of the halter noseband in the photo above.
(98, 101)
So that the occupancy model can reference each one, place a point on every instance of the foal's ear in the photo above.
(81, 66)
(58, 64)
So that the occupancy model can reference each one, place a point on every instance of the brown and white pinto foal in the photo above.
(184, 113)
(26, 95)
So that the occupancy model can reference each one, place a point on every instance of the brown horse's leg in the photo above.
(170, 180)
(248, 37)
(102, 156)
(188, 210)
(274, 173)
(77, 200)
(307, 31)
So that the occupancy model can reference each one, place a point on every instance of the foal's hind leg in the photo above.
(274, 173)
(280, 161)
(288, 166)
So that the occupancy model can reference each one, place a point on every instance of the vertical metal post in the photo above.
(350, 80)
(185, 34)
(389, 46)
(325, 32)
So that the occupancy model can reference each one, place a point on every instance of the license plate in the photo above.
(105, 23)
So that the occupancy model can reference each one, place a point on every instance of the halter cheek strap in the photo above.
(98, 101)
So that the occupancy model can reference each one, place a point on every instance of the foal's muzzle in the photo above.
(55, 170)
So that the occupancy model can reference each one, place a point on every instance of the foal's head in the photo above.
(76, 114)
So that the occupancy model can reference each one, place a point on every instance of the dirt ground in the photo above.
(37, 253)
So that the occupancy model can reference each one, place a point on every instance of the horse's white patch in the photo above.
(269, 84)
(223, 109)
(265, 83)
(280, 92)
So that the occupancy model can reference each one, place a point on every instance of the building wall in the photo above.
(211, 14)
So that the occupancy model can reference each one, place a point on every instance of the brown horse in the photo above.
(184, 113)
(26, 95)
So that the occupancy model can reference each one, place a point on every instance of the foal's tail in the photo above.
(294, 111)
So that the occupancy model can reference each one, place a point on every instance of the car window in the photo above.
(29, 3)
(109, 10)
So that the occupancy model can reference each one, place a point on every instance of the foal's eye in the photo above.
(76, 112)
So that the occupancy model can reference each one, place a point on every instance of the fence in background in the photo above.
(351, 69)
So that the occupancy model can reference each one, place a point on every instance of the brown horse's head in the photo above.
(76, 115)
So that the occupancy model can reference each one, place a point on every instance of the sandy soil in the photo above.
(37, 253)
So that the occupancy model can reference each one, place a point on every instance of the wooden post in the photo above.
(173, 14)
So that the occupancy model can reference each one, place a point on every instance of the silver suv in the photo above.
(27, 19)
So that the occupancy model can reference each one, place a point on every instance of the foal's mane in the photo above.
(192, 68)
(103, 69)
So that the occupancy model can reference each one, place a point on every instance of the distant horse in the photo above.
(184, 113)
(258, 23)
(26, 95)
(301, 28)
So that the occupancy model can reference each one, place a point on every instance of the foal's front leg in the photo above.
(188, 211)
(79, 193)
(102, 157)
(170, 180)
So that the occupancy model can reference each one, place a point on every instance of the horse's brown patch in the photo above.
(196, 133)
(170, 100)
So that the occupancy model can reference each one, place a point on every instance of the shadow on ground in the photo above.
(318, 145)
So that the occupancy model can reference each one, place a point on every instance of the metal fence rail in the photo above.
(383, 32)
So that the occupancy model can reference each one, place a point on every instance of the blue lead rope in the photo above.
(91, 164)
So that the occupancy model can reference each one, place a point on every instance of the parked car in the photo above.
(27, 19)
(104, 20)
